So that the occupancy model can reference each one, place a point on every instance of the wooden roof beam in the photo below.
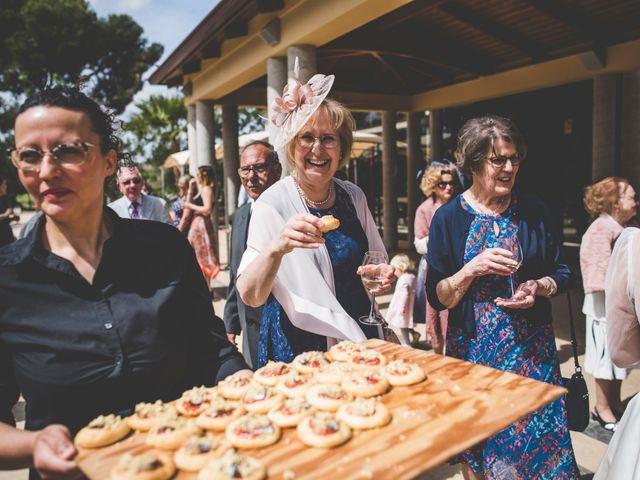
(192, 66)
(266, 6)
(211, 50)
(236, 29)
(490, 27)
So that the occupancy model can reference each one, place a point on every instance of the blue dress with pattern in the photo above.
(279, 338)
(538, 445)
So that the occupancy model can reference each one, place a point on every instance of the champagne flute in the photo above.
(372, 278)
(513, 245)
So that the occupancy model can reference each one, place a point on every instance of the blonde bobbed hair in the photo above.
(432, 176)
(603, 196)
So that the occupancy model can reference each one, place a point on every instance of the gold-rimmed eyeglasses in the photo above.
(28, 159)
(306, 140)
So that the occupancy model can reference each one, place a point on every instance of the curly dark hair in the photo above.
(479, 135)
(70, 97)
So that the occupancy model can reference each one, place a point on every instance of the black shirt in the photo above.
(144, 330)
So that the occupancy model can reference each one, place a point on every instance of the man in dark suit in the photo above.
(259, 169)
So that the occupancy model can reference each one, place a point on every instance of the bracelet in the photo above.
(550, 286)
(456, 287)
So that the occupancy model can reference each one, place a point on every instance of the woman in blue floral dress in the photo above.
(475, 248)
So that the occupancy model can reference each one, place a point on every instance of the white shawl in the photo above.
(304, 285)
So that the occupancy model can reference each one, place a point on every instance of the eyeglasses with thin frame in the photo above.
(28, 159)
(259, 168)
(306, 140)
(134, 181)
(500, 161)
(443, 185)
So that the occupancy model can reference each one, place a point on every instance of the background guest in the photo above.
(259, 169)
(308, 280)
(439, 186)
(133, 203)
(181, 217)
(400, 312)
(473, 257)
(611, 202)
(202, 235)
(622, 458)
(97, 313)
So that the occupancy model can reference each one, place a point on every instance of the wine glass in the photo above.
(372, 278)
(513, 245)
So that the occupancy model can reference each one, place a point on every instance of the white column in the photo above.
(191, 138)
(415, 161)
(231, 158)
(205, 133)
(389, 173)
(307, 61)
(276, 80)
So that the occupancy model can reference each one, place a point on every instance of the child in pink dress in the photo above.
(400, 313)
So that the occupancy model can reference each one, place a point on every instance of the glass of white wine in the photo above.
(372, 278)
(513, 245)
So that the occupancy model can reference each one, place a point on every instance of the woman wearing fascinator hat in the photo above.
(308, 280)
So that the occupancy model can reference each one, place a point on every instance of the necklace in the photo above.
(486, 210)
(317, 204)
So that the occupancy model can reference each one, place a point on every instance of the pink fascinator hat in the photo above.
(297, 104)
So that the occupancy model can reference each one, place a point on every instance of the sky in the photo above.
(167, 22)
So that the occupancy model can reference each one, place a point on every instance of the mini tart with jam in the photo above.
(102, 431)
(367, 359)
(295, 384)
(327, 396)
(261, 398)
(171, 432)
(310, 362)
(146, 415)
(271, 373)
(233, 466)
(341, 352)
(400, 373)
(196, 452)
(291, 412)
(149, 465)
(365, 383)
(252, 431)
(194, 401)
(364, 413)
(323, 429)
(234, 386)
(220, 414)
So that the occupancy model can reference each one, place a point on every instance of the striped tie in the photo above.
(134, 210)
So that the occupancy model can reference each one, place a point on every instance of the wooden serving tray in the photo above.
(457, 406)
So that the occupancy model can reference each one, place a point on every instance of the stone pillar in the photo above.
(191, 139)
(205, 133)
(630, 128)
(231, 159)
(276, 80)
(389, 174)
(435, 136)
(605, 144)
(415, 161)
(307, 62)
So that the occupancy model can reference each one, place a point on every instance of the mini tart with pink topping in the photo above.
(234, 386)
(291, 412)
(367, 359)
(323, 429)
(197, 451)
(333, 373)
(341, 352)
(149, 465)
(295, 384)
(147, 414)
(310, 362)
(170, 432)
(194, 401)
(401, 373)
(261, 398)
(101, 431)
(271, 373)
(252, 431)
(232, 466)
(327, 396)
(220, 414)
(365, 383)
(364, 413)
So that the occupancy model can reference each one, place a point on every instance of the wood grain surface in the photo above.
(457, 406)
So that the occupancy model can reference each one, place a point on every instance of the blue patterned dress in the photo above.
(279, 338)
(538, 445)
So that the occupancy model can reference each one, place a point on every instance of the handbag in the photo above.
(577, 397)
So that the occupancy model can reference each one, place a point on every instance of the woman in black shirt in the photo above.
(97, 313)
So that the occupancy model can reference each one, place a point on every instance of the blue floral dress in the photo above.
(279, 338)
(538, 445)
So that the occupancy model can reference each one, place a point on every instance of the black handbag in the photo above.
(577, 397)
